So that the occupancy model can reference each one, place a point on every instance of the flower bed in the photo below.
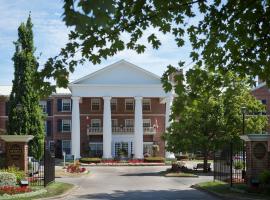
(13, 190)
(75, 168)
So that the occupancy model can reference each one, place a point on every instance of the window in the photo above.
(146, 122)
(66, 123)
(95, 104)
(113, 104)
(95, 123)
(51, 146)
(147, 148)
(264, 102)
(43, 106)
(146, 104)
(96, 149)
(129, 104)
(66, 146)
(114, 122)
(66, 105)
(129, 123)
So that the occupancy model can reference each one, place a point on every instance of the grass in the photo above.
(54, 189)
(169, 173)
(223, 189)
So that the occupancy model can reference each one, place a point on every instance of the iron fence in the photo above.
(230, 163)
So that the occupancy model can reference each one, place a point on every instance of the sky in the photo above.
(51, 34)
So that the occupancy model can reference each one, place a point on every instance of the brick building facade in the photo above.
(119, 108)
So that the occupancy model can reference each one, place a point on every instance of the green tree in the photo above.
(225, 35)
(25, 115)
(208, 113)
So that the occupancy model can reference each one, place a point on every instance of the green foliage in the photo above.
(26, 119)
(238, 165)
(154, 159)
(19, 174)
(264, 177)
(90, 160)
(7, 179)
(207, 111)
(217, 31)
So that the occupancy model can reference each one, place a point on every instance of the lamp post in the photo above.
(243, 110)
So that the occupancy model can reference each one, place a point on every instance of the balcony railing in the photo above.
(120, 130)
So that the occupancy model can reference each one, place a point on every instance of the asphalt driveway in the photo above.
(134, 183)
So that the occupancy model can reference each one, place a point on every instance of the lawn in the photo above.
(223, 189)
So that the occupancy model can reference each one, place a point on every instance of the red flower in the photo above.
(13, 190)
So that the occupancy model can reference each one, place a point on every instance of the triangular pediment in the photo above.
(119, 73)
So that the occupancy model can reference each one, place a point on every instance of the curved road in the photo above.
(134, 183)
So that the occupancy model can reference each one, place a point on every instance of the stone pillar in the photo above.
(75, 133)
(107, 128)
(169, 101)
(138, 130)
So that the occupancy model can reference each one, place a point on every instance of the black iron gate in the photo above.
(42, 172)
(230, 163)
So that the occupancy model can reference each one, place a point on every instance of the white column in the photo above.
(75, 128)
(138, 131)
(169, 101)
(107, 128)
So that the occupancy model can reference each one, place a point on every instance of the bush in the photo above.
(7, 179)
(19, 174)
(90, 160)
(238, 165)
(264, 177)
(182, 157)
(154, 159)
(75, 168)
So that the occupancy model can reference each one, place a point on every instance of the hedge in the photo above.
(90, 160)
(154, 159)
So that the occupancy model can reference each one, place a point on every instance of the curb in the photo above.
(75, 187)
(220, 196)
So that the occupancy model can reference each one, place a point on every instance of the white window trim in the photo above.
(43, 104)
(69, 100)
(114, 99)
(92, 104)
(69, 143)
(149, 104)
(63, 125)
(149, 120)
(116, 122)
(126, 104)
(96, 120)
(128, 120)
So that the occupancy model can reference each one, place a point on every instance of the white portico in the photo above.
(119, 80)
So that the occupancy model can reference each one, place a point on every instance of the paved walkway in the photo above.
(134, 183)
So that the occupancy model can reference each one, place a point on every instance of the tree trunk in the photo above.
(205, 161)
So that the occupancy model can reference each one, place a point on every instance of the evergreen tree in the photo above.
(25, 115)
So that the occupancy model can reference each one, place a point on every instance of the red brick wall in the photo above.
(264, 93)
(156, 114)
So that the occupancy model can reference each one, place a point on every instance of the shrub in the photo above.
(154, 159)
(264, 177)
(19, 174)
(13, 190)
(7, 179)
(90, 160)
(238, 165)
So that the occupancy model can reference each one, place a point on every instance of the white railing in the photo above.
(149, 130)
(94, 131)
(120, 130)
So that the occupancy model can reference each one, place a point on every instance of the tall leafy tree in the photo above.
(225, 35)
(25, 116)
(208, 113)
